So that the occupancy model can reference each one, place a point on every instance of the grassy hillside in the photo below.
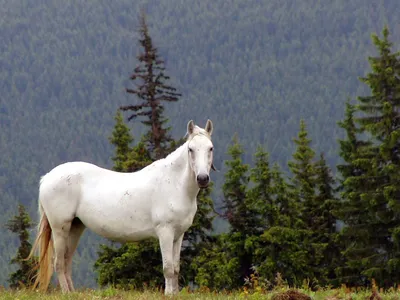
(253, 67)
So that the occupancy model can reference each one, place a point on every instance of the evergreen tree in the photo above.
(353, 238)
(379, 120)
(260, 201)
(132, 265)
(304, 184)
(20, 224)
(282, 247)
(261, 205)
(235, 189)
(288, 213)
(325, 222)
(216, 266)
(237, 211)
(152, 90)
(302, 168)
(121, 138)
(138, 158)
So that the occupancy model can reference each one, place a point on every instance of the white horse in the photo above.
(157, 201)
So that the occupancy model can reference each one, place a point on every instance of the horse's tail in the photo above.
(44, 265)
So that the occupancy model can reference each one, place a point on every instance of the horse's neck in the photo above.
(179, 162)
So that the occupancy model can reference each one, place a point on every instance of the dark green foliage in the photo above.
(313, 186)
(133, 265)
(151, 90)
(237, 211)
(217, 265)
(121, 138)
(20, 224)
(261, 204)
(304, 177)
(353, 170)
(235, 189)
(372, 173)
(324, 224)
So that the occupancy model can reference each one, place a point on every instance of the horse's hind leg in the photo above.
(60, 237)
(75, 233)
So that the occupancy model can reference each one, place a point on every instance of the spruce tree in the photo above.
(236, 210)
(325, 232)
(20, 224)
(304, 185)
(380, 120)
(353, 238)
(121, 138)
(304, 178)
(259, 199)
(283, 245)
(152, 90)
(235, 189)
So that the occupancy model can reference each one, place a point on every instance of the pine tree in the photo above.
(302, 168)
(325, 222)
(237, 211)
(283, 246)
(132, 265)
(235, 189)
(354, 236)
(380, 120)
(121, 138)
(138, 158)
(20, 224)
(152, 90)
(259, 198)
(217, 265)
(304, 184)
(288, 214)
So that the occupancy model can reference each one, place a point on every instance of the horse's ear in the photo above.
(209, 127)
(214, 168)
(190, 127)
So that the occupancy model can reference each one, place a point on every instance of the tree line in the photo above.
(307, 226)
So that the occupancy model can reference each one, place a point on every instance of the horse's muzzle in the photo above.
(203, 180)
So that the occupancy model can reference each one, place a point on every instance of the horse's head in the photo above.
(200, 151)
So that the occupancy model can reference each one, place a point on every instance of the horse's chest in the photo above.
(178, 215)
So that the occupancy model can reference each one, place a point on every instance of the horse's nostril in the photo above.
(203, 178)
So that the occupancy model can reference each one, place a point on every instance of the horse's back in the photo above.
(61, 189)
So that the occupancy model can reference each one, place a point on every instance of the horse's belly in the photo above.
(117, 223)
(120, 231)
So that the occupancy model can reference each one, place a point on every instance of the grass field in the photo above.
(277, 294)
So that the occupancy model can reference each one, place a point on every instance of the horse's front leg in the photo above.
(177, 256)
(166, 238)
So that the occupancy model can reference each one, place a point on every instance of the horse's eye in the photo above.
(211, 149)
(190, 150)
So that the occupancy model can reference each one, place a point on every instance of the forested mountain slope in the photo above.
(253, 67)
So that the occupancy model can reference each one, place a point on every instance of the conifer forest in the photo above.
(305, 101)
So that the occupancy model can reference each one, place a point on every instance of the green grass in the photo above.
(114, 294)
